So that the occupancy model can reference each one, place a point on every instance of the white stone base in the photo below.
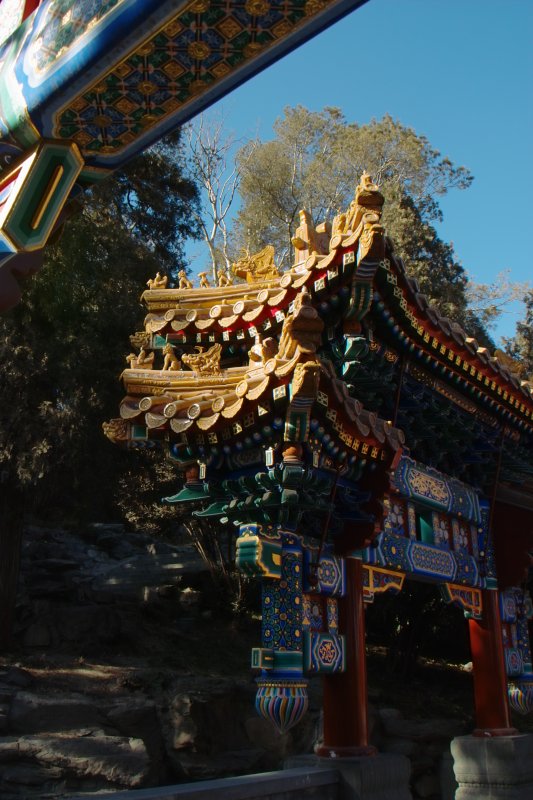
(493, 768)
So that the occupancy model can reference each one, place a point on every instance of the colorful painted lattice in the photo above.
(423, 560)
(300, 618)
(516, 610)
(435, 490)
(465, 597)
(377, 581)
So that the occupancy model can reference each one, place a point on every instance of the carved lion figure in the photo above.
(171, 362)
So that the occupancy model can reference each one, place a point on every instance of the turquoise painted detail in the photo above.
(39, 193)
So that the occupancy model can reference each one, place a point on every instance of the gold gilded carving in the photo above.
(223, 278)
(368, 201)
(309, 240)
(257, 8)
(159, 282)
(116, 430)
(142, 361)
(140, 339)
(302, 329)
(204, 281)
(183, 281)
(259, 267)
(207, 363)
(199, 50)
(510, 364)
(362, 220)
(306, 379)
(261, 351)
(428, 486)
(171, 362)
(200, 6)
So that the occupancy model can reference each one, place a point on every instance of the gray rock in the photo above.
(4, 712)
(32, 713)
(264, 736)
(207, 715)
(422, 730)
(427, 786)
(403, 747)
(9, 749)
(107, 527)
(37, 635)
(421, 764)
(16, 676)
(88, 624)
(138, 718)
(389, 713)
(30, 774)
(119, 761)
(190, 598)
(57, 565)
(133, 577)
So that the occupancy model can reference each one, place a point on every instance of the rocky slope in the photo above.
(123, 676)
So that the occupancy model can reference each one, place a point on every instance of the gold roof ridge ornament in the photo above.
(362, 219)
(512, 365)
(206, 363)
(159, 282)
(258, 267)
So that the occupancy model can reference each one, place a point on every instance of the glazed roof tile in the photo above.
(184, 399)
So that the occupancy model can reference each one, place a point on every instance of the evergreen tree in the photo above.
(520, 346)
(315, 161)
(62, 350)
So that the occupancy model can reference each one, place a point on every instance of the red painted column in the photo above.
(490, 679)
(29, 7)
(345, 694)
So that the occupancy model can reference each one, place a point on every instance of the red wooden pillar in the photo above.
(345, 694)
(29, 7)
(490, 679)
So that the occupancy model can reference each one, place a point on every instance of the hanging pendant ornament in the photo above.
(282, 703)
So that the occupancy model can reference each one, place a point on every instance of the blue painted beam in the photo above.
(106, 80)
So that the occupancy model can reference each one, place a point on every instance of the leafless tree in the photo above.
(212, 151)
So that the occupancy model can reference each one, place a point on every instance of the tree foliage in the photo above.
(315, 161)
(211, 152)
(62, 349)
(520, 346)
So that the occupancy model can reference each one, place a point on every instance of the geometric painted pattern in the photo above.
(328, 578)
(423, 560)
(394, 515)
(514, 612)
(63, 25)
(282, 607)
(323, 652)
(464, 597)
(377, 581)
(435, 490)
(198, 47)
(323, 648)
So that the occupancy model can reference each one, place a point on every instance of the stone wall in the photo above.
(82, 710)
(426, 743)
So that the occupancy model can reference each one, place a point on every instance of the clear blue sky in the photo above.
(458, 71)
